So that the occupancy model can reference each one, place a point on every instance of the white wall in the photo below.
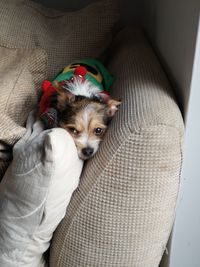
(185, 250)
(172, 27)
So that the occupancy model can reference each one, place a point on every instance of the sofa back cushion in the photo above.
(59, 37)
(123, 210)
(21, 74)
(65, 36)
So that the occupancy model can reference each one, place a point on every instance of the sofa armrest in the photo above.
(123, 210)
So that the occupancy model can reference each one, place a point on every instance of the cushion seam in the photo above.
(146, 127)
(14, 85)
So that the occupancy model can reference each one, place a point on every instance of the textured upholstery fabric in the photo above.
(21, 73)
(64, 35)
(123, 210)
(35, 192)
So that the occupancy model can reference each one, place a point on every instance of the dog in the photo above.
(84, 110)
(85, 117)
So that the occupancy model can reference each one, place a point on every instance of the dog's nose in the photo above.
(87, 151)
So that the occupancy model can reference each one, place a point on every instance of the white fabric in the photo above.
(35, 192)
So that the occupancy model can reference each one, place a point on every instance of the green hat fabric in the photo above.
(96, 73)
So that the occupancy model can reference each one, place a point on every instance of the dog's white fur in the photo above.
(84, 138)
(78, 87)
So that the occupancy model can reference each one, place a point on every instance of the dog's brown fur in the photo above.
(85, 119)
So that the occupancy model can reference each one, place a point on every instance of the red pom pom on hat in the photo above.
(80, 71)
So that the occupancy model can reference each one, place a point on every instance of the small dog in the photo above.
(84, 111)
(85, 118)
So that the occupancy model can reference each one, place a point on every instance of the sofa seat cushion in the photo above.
(124, 209)
(64, 35)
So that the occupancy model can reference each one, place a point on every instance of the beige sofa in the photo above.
(123, 210)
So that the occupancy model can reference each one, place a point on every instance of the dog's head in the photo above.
(86, 119)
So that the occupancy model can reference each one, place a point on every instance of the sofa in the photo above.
(122, 212)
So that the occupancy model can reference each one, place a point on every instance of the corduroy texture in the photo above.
(123, 211)
(21, 74)
(65, 36)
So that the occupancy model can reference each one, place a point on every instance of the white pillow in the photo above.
(35, 192)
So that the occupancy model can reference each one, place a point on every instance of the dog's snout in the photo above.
(87, 151)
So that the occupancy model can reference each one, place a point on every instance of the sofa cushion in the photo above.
(64, 35)
(21, 73)
(124, 209)
(35, 192)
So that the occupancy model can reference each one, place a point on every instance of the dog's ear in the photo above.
(111, 103)
(64, 96)
(112, 107)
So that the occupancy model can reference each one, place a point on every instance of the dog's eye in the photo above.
(74, 131)
(98, 131)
